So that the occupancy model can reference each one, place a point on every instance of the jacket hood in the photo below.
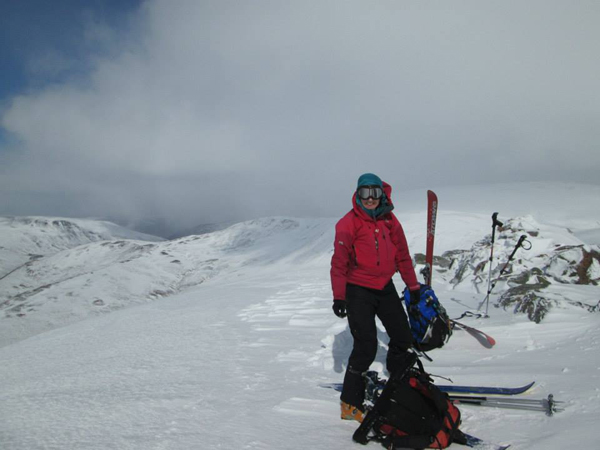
(386, 206)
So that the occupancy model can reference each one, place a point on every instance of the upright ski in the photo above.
(427, 271)
(432, 204)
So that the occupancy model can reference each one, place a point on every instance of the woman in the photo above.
(370, 246)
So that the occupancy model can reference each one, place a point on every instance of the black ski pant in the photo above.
(363, 305)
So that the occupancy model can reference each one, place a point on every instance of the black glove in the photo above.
(339, 308)
(415, 297)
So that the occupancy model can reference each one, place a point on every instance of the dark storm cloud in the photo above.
(225, 110)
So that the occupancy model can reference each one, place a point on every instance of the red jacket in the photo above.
(369, 251)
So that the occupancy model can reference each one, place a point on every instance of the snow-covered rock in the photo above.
(531, 263)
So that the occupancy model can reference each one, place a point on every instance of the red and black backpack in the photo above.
(418, 415)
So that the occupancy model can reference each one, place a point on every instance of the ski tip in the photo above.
(485, 390)
(334, 386)
(480, 444)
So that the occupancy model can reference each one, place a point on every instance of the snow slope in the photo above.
(236, 363)
(25, 238)
(232, 357)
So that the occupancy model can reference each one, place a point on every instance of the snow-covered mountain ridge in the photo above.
(107, 275)
(23, 239)
(103, 276)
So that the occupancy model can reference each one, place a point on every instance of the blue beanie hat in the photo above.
(369, 179)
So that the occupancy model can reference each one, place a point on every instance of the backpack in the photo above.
(417, 415)
(429, 323)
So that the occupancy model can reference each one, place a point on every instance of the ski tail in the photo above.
(484, 339)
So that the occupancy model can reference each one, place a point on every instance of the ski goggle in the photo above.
(366, 192)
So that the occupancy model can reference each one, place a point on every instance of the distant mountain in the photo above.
(202, 229)
(23, 239)
(104, 275)
(153, 226)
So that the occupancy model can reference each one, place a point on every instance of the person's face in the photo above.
(370, 203)
(370, 196)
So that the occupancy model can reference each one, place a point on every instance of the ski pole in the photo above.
(519, 244)
(548, 405)
(495, 223)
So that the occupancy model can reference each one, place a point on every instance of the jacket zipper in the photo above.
(377, 244)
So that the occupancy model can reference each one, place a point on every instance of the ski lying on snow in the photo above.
(489, 390)
(452, 389)
(547, 405)
(480, 444)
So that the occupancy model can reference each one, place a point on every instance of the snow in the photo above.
(227, 347)
(594, 271)
(24, 238)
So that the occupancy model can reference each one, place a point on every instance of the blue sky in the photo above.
(32, 30)
(205, 111)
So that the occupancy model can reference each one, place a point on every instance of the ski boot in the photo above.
(350, 412)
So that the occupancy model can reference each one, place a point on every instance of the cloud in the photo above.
(226, 110)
